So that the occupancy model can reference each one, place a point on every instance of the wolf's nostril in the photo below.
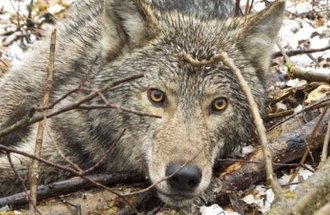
(192, 183)
(185, 179)
(174, 178)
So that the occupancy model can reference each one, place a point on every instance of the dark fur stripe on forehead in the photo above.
(207, 9)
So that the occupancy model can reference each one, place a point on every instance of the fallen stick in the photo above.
(286, 147)
(71, 185)
(309, 75)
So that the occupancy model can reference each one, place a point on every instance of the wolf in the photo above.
(203, 113)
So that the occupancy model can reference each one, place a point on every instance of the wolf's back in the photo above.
(77, 45)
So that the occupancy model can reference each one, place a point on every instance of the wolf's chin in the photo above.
(176, 201)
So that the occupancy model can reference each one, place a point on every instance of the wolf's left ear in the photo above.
(127, 24)
(260, 32)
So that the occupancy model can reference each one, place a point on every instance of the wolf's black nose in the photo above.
(184, 179)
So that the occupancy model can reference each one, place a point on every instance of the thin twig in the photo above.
(247, 7)
(237, 7)
(4, 63)
(167, 177)
(105, 155)
(251, 6)
(253, 106)
(295, 72)
(257, 162)
(26, 190)
(309, 145)
(117, 107)
(76, 207)
(35, 165)
(30, 7)
(299, 52)
(195, 62)
(82, 83)
(68, 169)
(60, 152)
(28, 120)
(257, 121)
(22, 180)
(279, 114)
(318, 104)
(324, 154)
(282, 51)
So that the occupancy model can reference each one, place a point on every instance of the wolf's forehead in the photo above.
(199, 38)
(193, 80)
(201, 8)
(169, 69)
(195, 35)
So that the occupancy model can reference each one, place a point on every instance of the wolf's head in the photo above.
(204, 113)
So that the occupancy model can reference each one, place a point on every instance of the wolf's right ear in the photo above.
(128, 24)
(260, 31)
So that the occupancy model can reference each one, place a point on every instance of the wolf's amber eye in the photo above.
(219, 104)
(156, 96)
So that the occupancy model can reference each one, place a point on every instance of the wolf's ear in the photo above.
(260, 32)
(128, 24)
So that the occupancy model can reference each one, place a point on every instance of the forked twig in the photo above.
(295, 72)
(26, 190)
(30, 119)
(223, 56)
(257, 121)
(195, 62)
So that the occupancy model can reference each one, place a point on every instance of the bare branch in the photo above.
(68, 169)
(309, 145)
(309, 75)
(60, 152)
(35, 165)
(117, 107)
(257, 121)
(324, 154)
(315, 105)
(299, 52)
(29, 120)
(295, 72)
(82, 83)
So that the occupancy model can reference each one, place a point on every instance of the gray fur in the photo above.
(132, 37)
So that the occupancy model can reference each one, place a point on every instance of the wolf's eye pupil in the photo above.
(156, 96)
(219, 104)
